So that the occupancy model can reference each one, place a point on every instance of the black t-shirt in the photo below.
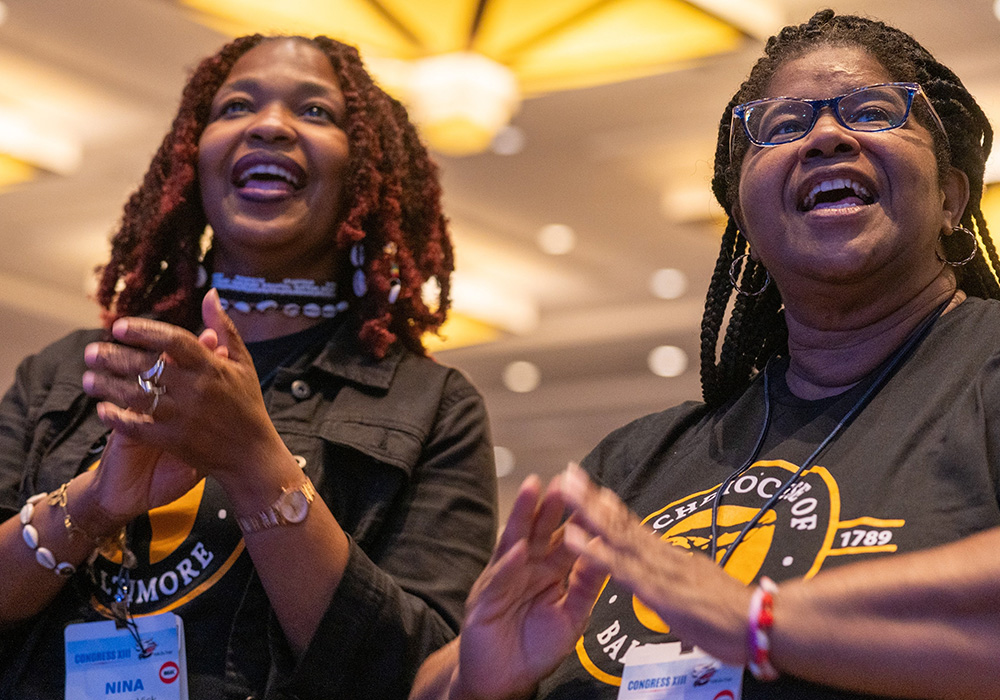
(915, 468)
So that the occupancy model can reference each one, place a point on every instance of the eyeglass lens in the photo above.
(875, 108)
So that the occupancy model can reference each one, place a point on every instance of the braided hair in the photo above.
(392, 196)
(756, 329)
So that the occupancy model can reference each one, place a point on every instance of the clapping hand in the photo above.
(530, 604)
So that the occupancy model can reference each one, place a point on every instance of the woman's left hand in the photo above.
(211, 413)
(702, 604)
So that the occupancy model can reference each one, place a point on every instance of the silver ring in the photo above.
(156, 402)
(151, 388)
(153, 373)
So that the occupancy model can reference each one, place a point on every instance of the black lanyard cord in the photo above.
(894, 362)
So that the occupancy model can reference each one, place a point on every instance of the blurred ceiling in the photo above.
(625, 165)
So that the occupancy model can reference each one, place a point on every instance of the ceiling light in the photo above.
(691, 204)
(668, 283)
(3, 12)
(461, 100)
(27, 145)
(996, 8)
(543, 46)
(667, 361)
(522, 377)
(40, 145)
(504, 459)
(992, 174)
(990, 205)
(509, 141)
(481, 311)
(556, 239)
(14, 171)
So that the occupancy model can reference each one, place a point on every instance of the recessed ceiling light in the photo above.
(522, 377)
(556, 239)
(668, 283)
(504, 459)
(509, 141)
(667, 361)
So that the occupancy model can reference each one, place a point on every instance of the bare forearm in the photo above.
(434, 679)
(300, 565)
(27, 586)
(921, 625)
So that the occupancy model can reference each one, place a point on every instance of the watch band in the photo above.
(289, 508)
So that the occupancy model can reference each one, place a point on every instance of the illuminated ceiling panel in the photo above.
(550, 45)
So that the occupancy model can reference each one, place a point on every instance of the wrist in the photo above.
(83, 507)
(760, 618)
(262, 479)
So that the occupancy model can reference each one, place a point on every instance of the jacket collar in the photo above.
(343, 356)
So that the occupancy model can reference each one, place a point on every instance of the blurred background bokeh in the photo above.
(575, 139)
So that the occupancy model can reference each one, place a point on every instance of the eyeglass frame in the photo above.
(912, 89)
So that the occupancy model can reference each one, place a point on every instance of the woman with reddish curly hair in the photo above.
(294, 480)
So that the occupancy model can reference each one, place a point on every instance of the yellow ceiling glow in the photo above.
(550, 45)
(14, 172)
(352, 21)
(990, 205)
(611, 42)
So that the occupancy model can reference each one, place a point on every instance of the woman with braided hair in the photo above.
(295, 481)
(850, 414)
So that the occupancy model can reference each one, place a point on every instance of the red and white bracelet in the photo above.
(760, 619)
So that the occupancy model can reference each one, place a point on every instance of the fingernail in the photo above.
(575, 538)
(214, 293)
(119, 327)
(573, 485)
(87, 381)
(90, 352)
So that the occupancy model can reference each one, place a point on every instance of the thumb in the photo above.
(216, 320)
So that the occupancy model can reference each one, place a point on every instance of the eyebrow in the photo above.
(306, 88)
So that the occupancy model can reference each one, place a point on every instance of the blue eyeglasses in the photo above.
(777, 120)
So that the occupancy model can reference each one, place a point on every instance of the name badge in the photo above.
(664, 672)
(105, 662)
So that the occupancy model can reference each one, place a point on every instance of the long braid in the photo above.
(391, 195)
(757, 328)
(716, 300)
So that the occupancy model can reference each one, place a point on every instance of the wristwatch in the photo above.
(291, 507)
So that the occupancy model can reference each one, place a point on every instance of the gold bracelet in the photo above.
(58, 498)
(108, 546)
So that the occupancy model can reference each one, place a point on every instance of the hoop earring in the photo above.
(733, 272)
(967, 258)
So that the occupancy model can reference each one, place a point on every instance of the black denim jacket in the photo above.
(400, 451)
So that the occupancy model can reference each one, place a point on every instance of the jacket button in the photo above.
(300, 460)
(301, 389)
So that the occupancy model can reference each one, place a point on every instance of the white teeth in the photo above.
(269, 169)
(839, 183)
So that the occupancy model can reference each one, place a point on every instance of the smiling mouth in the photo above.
(836, 194)
(267, 176)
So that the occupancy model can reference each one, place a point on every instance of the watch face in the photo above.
(294, 506)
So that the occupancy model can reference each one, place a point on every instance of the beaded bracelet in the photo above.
(110, 547)
(760, 620)
(29, 533)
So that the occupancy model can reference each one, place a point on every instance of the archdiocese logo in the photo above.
(182, 548)
(792, 539)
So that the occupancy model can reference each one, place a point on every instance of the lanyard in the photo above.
(918, 334)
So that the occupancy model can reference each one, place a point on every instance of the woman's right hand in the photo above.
(133, 477)
(528, 607)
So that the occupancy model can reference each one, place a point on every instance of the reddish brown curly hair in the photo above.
(392, 195)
